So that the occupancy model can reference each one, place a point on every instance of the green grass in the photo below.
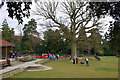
(63, 68)
(107, 69)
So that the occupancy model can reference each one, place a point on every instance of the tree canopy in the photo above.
(76, 14)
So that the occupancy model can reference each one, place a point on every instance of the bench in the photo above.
(22, 59)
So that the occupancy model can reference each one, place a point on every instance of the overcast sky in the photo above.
(13, 23)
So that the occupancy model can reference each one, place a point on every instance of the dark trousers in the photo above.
(73, 61)
(76, 62)
(13, 56)
(87, 63)
(57, 57)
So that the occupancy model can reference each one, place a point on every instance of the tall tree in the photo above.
(31, 36)
(96, 40)
(76, 16)
(114, 36)
(7, 33)
(112, 9)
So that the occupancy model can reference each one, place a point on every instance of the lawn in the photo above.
(63, 68)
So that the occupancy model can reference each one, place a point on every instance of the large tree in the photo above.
(113, 36)
(112, 9)
(31, 36)
(7, 32)
(74, 19)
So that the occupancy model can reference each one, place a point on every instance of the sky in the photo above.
(13, 23)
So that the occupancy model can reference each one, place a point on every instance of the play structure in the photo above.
(98, 58)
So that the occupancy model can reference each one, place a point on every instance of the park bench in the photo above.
(22, 59)
(5, 64)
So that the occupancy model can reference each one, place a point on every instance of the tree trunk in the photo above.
(82, 53)
(94, 50)
(73, 49)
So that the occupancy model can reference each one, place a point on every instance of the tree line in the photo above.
(54, 41)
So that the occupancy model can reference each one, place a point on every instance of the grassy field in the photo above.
(63, 68)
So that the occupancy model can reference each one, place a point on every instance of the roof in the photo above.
(5, 43)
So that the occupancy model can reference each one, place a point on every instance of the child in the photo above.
(87, 61)
(51, 57)
(76, 60)
(82, 62)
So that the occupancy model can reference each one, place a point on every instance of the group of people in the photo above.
(76, 59)
(13, 54)
(53, 57)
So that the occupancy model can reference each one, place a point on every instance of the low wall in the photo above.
(18, 70)
(13, 72)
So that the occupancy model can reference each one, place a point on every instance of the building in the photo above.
(5, 48)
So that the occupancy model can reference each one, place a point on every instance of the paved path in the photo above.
(24, 65)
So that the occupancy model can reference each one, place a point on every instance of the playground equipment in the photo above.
(98, 58)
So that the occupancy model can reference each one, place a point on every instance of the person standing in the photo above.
(57, 56)
(48, 54)
(87, 61)
(65, 55)
(16, 54)
(51, 57)
(73, 60)
(76, 60)
(11, 54)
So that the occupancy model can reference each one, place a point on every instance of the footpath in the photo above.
(23, 65)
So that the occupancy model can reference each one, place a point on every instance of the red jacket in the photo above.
(77, 59)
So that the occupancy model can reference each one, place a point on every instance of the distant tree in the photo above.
(96, 40)
(114, 36)
(54, 41)
(93, 42)
(7, 33)
(31, 36)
